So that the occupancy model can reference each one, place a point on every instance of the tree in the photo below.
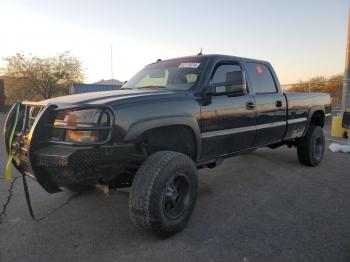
(47, 77)
(18, 89)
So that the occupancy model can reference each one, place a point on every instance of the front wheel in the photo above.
(163, 193)
(311, 147)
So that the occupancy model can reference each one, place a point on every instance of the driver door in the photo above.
(228, 121)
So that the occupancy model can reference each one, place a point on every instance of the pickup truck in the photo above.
(172, 118)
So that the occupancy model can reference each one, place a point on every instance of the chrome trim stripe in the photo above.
(274, 124)
(250, 128)
(240, 129)
(297, 120)
(227, 131)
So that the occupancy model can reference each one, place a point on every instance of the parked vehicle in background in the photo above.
(87, 88)
(172, 118)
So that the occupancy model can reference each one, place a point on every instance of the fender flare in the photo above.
(138, 128)
(311, 111)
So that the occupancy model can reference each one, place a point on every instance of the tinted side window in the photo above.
(222, 73)
(261, 78)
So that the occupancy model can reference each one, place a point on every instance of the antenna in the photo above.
(112, 61)
(200, 52)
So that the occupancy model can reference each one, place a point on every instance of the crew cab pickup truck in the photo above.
(172, 118)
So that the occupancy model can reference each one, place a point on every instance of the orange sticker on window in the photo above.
(259, 69)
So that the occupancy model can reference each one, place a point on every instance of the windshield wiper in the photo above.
(145, 87)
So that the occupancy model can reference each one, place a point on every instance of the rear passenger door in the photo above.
(270, 102)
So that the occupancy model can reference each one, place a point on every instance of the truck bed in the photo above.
(300, 107)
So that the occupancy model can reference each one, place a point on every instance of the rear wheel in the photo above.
(163, 193)
(311, 147)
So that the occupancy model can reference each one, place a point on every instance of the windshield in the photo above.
(177, 74)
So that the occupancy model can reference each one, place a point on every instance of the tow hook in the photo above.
(104, 188)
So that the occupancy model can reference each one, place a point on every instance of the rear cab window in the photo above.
(261, 78)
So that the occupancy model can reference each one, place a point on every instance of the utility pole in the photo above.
(346, 85)
(112, 61)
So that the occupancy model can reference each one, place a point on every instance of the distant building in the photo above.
(109, 82)
(2, 95)
(103, 85)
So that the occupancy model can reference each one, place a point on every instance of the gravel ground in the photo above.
(262, 206)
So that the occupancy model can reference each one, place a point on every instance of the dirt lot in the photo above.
(262, 206)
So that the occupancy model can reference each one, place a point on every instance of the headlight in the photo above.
(82, 125)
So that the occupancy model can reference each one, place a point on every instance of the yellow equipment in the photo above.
(337, 129)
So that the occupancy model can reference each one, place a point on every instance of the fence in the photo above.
(309, 86)
(333, 87)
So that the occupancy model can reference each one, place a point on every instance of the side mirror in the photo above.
(234, 85)
(228, 88)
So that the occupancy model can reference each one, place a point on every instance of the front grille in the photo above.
(27, 120)
(31, 113)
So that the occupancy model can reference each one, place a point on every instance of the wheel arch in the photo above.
(186, 128)
(316, 116)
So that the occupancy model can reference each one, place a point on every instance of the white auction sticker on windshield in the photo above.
(189, 65)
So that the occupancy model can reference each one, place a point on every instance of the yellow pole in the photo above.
(337, 129)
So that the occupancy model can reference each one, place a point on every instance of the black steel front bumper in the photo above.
(74, 158)
(56, 165)
(59, 166)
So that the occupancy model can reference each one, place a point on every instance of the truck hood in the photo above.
(106, 97)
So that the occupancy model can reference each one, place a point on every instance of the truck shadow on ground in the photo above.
(259, 205)
(230, 180)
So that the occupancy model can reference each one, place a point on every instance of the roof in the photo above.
(215, 56)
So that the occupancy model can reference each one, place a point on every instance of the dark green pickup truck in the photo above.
(152, 135)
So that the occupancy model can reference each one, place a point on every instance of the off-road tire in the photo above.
(150, 189)
(311, 147)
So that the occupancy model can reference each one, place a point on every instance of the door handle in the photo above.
(278, 103)
(250, 105)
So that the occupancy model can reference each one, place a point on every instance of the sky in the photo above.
(300, 38)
